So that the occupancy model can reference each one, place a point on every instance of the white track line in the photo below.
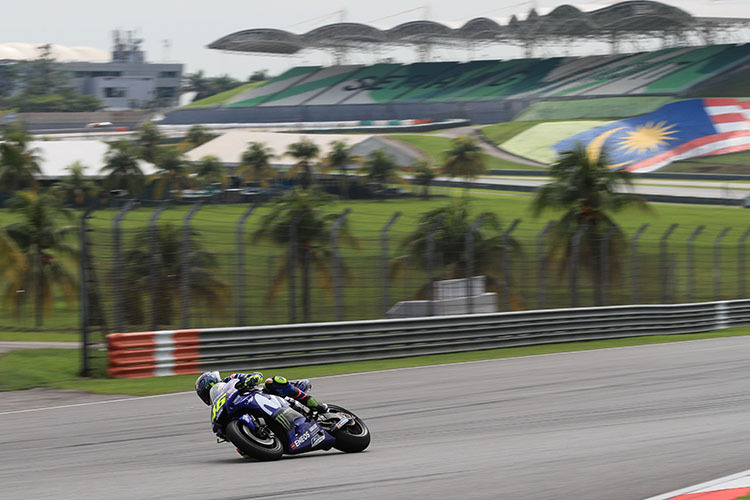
(705, 487)
(510, 359)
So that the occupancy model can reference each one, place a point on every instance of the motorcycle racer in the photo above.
(209, 385)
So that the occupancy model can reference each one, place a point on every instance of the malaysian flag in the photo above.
(677, 131)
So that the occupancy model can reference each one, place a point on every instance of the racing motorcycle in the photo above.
(264, 426)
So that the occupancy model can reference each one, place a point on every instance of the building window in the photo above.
(115, 92)
(167, 74)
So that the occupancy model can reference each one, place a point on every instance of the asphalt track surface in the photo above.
(618, 424)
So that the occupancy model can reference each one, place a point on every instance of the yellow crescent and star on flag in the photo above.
(639, 139)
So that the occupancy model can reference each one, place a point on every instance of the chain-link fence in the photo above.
(178, 267)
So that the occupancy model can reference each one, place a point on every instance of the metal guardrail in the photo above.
(177, 352)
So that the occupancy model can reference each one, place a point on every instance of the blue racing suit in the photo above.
(280, 386)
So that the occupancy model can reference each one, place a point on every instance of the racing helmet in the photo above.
(204, 383)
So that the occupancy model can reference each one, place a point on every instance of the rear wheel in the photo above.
(260, 444)
(354, 436)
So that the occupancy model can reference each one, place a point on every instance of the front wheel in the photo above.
(259, 444)
(354, 436)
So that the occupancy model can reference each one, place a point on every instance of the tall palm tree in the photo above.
(305, 152)
(313, 236)
(148, 141)
(172, 174)
(77, 187)
(197, 135)
(381, 168)
(41, 239)
(122, 168)
(452, 223)
(12, 269)
(585, 187)
(464, 159)
(209, 170)
(205, 287)
(424, 173)
(19, 164)
(256, 163)
(339, 158)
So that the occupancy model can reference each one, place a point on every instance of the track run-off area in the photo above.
(615, 424)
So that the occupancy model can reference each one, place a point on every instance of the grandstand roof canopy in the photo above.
(630, 18)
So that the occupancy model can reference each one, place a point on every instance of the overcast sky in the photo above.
(190, 25)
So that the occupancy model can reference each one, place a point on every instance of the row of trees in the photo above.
(38, 86)
(34, 252)
(206, 86)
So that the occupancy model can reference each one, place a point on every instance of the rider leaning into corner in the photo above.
(209, 386)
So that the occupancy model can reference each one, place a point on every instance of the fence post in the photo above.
(385, 275)
(634, 281)
(575, 250)
(470, 264)
(541, 265)
(153, 250)
(185, 253)
(605, 272)
(741, 265)
(664, 264)
(505, 263)
(84, 290)
(336, 263)
(691, 262)
(293, 266)
(240, 291)
(119, 324)
(717, 263)
(431, 265)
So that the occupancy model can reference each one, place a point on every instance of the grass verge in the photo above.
(221, 98)
(58, 368)
(33, 336)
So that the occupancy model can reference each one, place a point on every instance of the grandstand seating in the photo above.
(665, 71)
(257, 95)
(486, 91)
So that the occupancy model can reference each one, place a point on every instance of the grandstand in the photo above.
(485, 91)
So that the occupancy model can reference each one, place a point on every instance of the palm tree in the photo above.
(424, 174)
(205, 287)
(12, 269)
(76, 187)
(256, 163)
(305, 152)
(464, 159)
(209, 170)
(42, 241)
(339, 158)
(19, 164)
(173, 173)
(451, 224)
(585, 187)
(148, 141)
(313, 236)
(123, 171)
(197, 135)
(381, 168)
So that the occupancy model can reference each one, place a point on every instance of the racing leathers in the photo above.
(280, 386)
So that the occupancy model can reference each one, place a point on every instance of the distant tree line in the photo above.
(206, 86)
(38, 86)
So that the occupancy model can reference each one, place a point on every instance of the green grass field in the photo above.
(59, 368)
(216, 224)
(434, 147)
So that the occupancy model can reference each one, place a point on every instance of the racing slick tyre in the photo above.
(353, 437)
(263, 446)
